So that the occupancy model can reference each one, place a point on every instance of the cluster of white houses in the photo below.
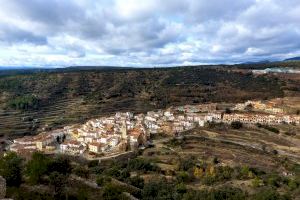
(269, 106)
(42, 141)
(129, 131)
(252, 118)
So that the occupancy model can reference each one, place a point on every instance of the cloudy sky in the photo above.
(146, 32)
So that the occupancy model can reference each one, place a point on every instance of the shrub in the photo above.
(58, 182)
(24, 102)
(124, 174)
(11, 169)
(37, 167)
(136, 181)
(102, 180)
(81, 171)
(140, 164)
(236, 125)
(228, 193)
(228, 111)
(215, 160)
(256, 182)
(269, 194)
(158, 190)
(275, 152)
(97, 169)
(181, 188)
(183, 177)
(41, 165)
(245, 172)
(93, 163)
(272, 129)
(60, 164)
(113, 171)
(269, 128)
(218, 174)
(273, 180)
(186, 164)
(293, 184)
(112, 191)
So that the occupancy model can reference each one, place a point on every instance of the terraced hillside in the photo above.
(29, 102)
(198, 156)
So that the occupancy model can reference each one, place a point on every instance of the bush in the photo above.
(112, 191)
(181, 188)
(228, 111)
(256, 182)
(215, 160)
(140, 164)
(225, 193)
(41, 165)
(219, 174)
(228, 193)
(11, 169)
(245, 172)
(183, 177)
(37, 167)
(209, 180)
(124, 174)
(102, 180)
(159, 190)
(224, 173)
(136, 181)
(57, 181)
(212, 125)
(275, 152)
(60, 164)
(186, 164)
(114, 171)
(24, 102)
(93, 163)
(293, 184)
(97, 169)
(22, 193)
(174, 142)
(236, 125)
(269, 194)
(81, 171)
(273, 180)
(269, 128)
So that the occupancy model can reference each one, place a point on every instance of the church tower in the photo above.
(124, 130)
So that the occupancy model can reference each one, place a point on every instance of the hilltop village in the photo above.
(128, 131)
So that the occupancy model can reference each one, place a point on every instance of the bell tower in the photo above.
(124, 130)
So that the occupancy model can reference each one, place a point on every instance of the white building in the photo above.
(96, 147)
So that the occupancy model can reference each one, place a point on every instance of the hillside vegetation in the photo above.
(205, 163)
(30, 101)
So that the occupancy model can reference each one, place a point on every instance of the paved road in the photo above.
(110, 156)
(115, 155)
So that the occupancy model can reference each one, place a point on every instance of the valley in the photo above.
(190, 133)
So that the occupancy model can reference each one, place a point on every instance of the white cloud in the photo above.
(148, 32)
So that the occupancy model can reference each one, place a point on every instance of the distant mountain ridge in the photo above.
(15, 67)
(257, 62)
(293, 59)
(83, 67)
(268, 61)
